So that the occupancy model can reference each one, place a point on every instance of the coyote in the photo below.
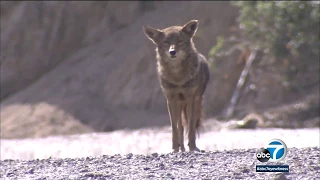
(183, 74)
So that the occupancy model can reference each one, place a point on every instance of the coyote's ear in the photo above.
(190, 28)
(153, 34)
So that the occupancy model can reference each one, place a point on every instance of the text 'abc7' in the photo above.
(275, 150)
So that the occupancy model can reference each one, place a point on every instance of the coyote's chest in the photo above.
(178, 78)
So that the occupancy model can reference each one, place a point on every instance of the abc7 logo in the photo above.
(275, 151)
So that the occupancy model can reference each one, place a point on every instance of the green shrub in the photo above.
(282, 28)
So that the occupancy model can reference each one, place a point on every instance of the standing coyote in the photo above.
(183, 74)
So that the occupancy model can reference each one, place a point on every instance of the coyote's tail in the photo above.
(200, 119)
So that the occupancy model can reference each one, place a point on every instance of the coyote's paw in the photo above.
(194, 149)
(182, 149)
(175, 150)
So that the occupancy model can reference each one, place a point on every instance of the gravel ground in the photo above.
(144, 154)
(233, 164)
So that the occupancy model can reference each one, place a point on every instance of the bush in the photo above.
(281, 28)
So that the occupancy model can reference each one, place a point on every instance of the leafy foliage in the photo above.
(283, 28)
(217, 47)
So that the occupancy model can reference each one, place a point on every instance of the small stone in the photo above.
(89, 175)
(31, 171)
(84, 170)
(9, 174)
(281, 176)
(205, 164)
(245, 170)
(129, 156)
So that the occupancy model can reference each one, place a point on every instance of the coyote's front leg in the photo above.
(174, 109)
(192, 118)
(181, 129)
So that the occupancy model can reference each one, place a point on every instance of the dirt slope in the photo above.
(111, 82)
(74, 67)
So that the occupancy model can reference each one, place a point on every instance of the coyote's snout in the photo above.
(172, 51)
(184, 75)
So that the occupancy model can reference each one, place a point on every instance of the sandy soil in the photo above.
(148, 140)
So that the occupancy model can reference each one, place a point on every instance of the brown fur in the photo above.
(184, 75)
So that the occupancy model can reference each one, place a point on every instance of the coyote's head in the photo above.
(173, 42)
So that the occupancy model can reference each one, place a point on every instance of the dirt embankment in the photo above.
(74, 67)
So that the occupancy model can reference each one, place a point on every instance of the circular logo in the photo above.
(263, 155)
(277, 149)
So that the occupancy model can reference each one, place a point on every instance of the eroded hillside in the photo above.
(74, 67)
